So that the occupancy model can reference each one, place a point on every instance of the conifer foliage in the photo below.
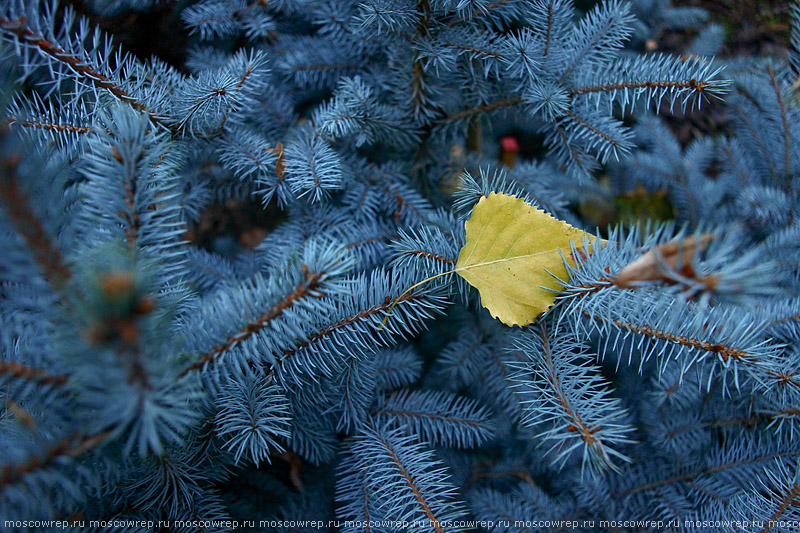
(147, 375)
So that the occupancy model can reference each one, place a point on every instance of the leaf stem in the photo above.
(411, 288)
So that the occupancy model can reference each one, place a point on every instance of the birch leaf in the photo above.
(513, 250)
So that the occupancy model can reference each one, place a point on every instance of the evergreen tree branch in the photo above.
(587, 434)
(746, 120)
(477, 110)
(38, 375)
(308, 288)
(361, 316)
(68, 128)
(647, 84)
(787, 165)
(412, 485)
(19, 210)
(485, 10)
(694, 474)
(18, 28)
(725, 352)
(788, 499)
(73, 447)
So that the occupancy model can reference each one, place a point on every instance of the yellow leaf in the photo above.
(512, 251)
